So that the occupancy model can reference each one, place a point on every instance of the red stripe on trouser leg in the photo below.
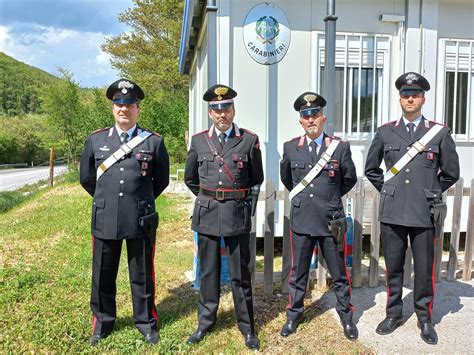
(153, 311)
(347, 272)
(94, 318)
(290, 299)
(430, 304)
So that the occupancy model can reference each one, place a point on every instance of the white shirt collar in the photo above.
(227, 133)
(130, 131)
(416, 121)
(319, 140)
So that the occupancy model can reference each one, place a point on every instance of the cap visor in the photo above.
(127, 101)
(220, 106)
(412, 91)
(310, 111)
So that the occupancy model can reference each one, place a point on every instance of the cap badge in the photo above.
(124, 85)
(309, 98)
(410, 78)
(220, 91)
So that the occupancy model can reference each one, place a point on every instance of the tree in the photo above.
(149, 53)
(65, 113)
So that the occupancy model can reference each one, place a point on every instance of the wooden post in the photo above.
(407, 265)
(322, 270)
(357, 238)
(286, 262)
(455, 231)
(51, 166)
(374, 241)
(269, 241)
(466, 273)
(438, 252)
(253, 249)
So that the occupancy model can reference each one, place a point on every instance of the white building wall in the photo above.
(266, 93)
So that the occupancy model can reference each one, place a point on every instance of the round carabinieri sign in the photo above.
(266, 34)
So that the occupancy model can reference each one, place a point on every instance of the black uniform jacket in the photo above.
(405, 199)
(241, 155)
(320, 201)
(123, 193)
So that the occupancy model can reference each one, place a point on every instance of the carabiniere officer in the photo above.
(124, 168)
(318, 170)
(223, 164)
(420, 167)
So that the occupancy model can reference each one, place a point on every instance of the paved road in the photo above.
(452, 318)
(13, 179)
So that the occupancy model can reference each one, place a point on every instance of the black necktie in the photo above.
(222, 139)
(411, 129)
(314, 151)
(124, 137)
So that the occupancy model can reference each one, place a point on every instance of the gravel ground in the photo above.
(453, 317)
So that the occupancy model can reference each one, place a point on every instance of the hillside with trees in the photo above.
(21, 86)
(39, 110)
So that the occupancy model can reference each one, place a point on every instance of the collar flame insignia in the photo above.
(309, 99)
(410, 78)
(124, 85)
(220, 91)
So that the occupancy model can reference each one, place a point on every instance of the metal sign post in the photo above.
(330, 63)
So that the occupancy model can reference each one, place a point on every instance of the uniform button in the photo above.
(408, 170)
(122, 182)
(122, 169)
(310, 166)
(434, 195)
(408, 148)
(220, 182)
(123, 158)
(407, 181)
(121, 194)
(310, 195)
(296, 164)
(220, 170)
(311, 185)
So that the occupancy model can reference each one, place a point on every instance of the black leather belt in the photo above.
(225, 194)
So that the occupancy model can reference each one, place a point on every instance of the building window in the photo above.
(458, 87)
(360, 103)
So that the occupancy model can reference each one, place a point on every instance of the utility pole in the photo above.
(330, 63)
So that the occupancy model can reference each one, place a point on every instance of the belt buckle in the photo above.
(220, 195)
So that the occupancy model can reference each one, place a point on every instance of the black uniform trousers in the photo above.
(238, 256)
(302, 246)
(395, 242)
(105, 259)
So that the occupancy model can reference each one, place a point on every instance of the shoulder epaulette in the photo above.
(198, 133)
(248, 131)
(100, 130)
(389, 123)
(339, 139)
(435, 122)
(293, 139)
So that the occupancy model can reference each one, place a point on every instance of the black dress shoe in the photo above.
(96, 338)
(251, 341)
(350, 329)
(152, 338)
(196, 337)
(289, 327)
(388, 325)
(428, 333)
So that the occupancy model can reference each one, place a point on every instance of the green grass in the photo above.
(45, 278)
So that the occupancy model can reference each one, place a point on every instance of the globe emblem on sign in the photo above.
(267, 29)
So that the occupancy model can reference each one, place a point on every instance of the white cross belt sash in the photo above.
(325, 157)
(415, 149)
(121, 152)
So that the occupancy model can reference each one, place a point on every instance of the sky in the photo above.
(51, 34)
